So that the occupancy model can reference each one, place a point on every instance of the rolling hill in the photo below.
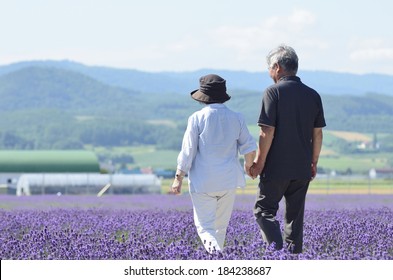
(46, 106)
(331, 83)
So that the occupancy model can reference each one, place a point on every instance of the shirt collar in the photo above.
(289, 78)
(216, 105)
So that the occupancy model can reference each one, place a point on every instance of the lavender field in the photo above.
(160, 227)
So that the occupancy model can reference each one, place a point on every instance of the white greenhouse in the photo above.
(86, 183)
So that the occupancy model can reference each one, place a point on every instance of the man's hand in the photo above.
(313, 170)
(249, 162)
(266, 136)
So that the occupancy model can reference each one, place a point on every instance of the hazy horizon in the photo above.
(177, 36)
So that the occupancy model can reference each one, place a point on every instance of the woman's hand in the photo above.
(176, 186)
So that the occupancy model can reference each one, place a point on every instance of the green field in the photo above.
(356, 163)
(331, 158)
(144, 156)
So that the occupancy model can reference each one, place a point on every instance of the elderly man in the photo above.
(291, 121)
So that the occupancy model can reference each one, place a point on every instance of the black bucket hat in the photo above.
(212, 89)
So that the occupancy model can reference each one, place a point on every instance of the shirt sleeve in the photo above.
(320, 119)
(246, 143)
(269, 109)
(189, 145)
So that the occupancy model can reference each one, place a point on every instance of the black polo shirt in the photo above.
(294, 109)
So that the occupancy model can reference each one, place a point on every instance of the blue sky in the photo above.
(346, 36)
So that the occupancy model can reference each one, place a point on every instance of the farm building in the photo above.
(86, 183)
(48, 161)
(385, 173)
(67, 172)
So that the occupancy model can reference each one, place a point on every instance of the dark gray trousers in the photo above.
(270, 194)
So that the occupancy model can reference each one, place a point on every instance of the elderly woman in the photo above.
(213, 140)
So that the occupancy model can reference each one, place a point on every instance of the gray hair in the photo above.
(285, 56)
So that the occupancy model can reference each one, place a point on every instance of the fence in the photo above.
(351, 184)
(328, 184)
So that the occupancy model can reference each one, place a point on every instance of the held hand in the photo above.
(256, 169)
(251, 171)
(247, 169)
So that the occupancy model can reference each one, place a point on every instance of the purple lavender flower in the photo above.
(126, 227)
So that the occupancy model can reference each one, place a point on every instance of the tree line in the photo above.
(58, 109)
(95, 133)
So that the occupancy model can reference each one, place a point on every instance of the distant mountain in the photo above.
(47, 106)
(332, 83)
(54, 88)
(43, 107)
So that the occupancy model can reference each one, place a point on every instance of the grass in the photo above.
(144, 156)
(166, 159)
(352, 185)
(356, 163)
(352, 136)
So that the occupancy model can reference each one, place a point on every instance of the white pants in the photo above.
(212, 212)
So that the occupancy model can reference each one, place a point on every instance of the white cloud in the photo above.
(273, 30)
(370, 49)
(372, 54)
(298, 20)
(249, 44)
(183, 45)
(301, 19)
